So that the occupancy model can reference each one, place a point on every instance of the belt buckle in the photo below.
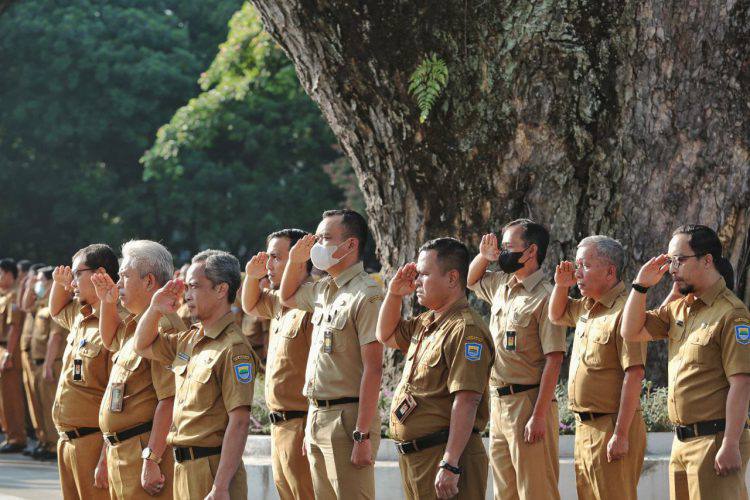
(680, 434)
(400, 448)
(64, 436)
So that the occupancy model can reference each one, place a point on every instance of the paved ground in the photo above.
(22, 477)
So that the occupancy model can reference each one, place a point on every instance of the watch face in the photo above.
(145, 453)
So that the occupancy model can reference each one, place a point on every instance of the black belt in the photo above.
(327, 403)
(707, 428)
(79, 433)
(406, 447)
(514, 389)
(183, 453)
(281, 416)
(589, 415)
(38, 362)
(118, 437)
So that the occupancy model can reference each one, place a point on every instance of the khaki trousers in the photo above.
(124, 466)
(598, 479)
(76, 461)
(418, 471)
(691, 469)
(46, 395)
(195, 478)
(31, 372)
(12, 407)
(329, 448)
(521, 470)
(291, 469)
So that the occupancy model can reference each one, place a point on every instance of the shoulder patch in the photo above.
(243, 372)
(473, 350)
(241, 357)
(375, 298)
(742, 334)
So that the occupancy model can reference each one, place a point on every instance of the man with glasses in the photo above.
(81, 454)
(529, 351)
(604, 383)
(708, 330)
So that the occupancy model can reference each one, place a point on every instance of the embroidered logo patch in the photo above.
(244, 372)
(742, 334)
(473, 351)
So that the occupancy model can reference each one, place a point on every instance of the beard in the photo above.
(685, 288)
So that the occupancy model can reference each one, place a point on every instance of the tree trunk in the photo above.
(592, 117)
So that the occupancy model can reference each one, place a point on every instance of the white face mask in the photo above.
(39, 288)
(322, 256)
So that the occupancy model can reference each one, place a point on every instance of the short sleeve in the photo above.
(268, 304)
(629, 353)
(164, 347)
(163, 380)
(305, 296)
(56, 329)
(469, 358)
(405, 331)
(573, 310)
(67, 315)
(551, 336)
(658, 321)
(735, 343)
(238, 372)
(488, 284)
(366, 318)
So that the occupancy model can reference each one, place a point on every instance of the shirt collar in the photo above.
(530, 282)
(713, 292)
(432, 320)
(348, 274)
(214, 330)
(87, 312)
(609, 298)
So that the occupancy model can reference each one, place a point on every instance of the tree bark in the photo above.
(593, 117)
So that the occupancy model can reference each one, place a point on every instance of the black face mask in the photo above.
(508, 261)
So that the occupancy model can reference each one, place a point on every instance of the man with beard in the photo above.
(136, 411)
(529, 351)
(708, 330)
(288, 347)
(81, 453)
(440, 407)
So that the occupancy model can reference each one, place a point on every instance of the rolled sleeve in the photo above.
(236, 389)
(467, 369)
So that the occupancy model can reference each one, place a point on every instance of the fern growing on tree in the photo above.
(427, 82)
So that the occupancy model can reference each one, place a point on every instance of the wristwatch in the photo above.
(360, 436)
(639, 288)
(148, 454)
(445, 465)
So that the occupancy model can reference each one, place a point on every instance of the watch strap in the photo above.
(639, 288)
(445, 465)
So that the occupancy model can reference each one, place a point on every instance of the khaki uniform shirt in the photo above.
(43, 329)
(9, 312)
(520, 328)
(709, 341)
(85, 369)
(600, 355)
(444, 354)
(288, 347)
(345, 314)
(214, 369)
(28, 323)
(136, 385)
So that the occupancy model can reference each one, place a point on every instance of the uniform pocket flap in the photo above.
(90, 350)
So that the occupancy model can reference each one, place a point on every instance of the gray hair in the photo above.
(608, 249)
(221, 267)
(150, 257)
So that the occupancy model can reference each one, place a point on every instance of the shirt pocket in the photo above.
(87, 354)
(129, 362)
(517, 336)
(698, 349)
(336, 324)
(425, 371)
(202, 387)
(596, 347)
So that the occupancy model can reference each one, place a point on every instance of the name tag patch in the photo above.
(183, 356)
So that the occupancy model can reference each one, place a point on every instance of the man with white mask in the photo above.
(344, 367)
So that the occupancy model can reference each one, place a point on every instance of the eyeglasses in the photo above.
(678, 260)
(77, 274)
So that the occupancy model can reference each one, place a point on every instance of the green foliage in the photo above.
(244, 157)
(427, 82)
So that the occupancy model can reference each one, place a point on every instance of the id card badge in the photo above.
(116, 393)
(328, 342)
(510, 341)
(77, 370)
(404, 408)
